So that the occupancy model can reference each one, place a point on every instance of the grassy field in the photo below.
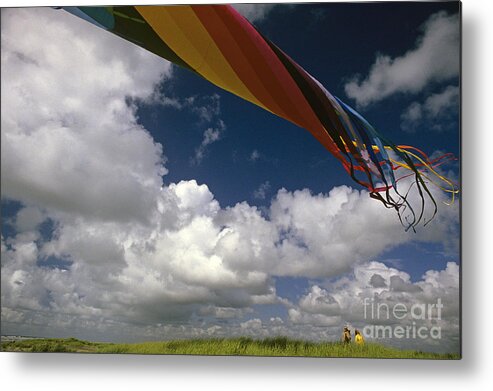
(277, 347)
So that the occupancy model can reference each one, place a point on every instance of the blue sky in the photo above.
(257, 227)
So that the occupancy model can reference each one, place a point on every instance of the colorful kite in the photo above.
(217, 43)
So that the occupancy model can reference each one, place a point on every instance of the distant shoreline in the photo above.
(18, 337)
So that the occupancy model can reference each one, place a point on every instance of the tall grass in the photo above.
(278, 347)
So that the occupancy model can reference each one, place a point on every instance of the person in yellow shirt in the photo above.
(358, 338)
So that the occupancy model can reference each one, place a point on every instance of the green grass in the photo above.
(278, 347)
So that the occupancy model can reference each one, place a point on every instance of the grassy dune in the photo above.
(278, 347)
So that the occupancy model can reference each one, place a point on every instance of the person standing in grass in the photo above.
(346, 335)
(358, 338)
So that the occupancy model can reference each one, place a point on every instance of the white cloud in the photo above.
(254, 12)
(206, 107)
(413, 113)
(436, 104)
(208, 110)
(434, 113)
(69, 138)
(261, 192)
(299, 317)
(319, 301)
(28, 219)
(210, 136)
(255, 324)
(254, 156)
(323, 235)
(223, 312)
(434, 59)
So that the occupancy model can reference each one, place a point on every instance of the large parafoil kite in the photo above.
(219, 44)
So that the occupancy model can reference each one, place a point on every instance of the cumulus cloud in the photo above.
(70, 140)
(324, 234)
(435, 112)
(435, 58)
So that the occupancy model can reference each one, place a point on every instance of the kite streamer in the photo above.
(220, 45)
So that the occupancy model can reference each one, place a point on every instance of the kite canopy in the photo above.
(220, 45)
